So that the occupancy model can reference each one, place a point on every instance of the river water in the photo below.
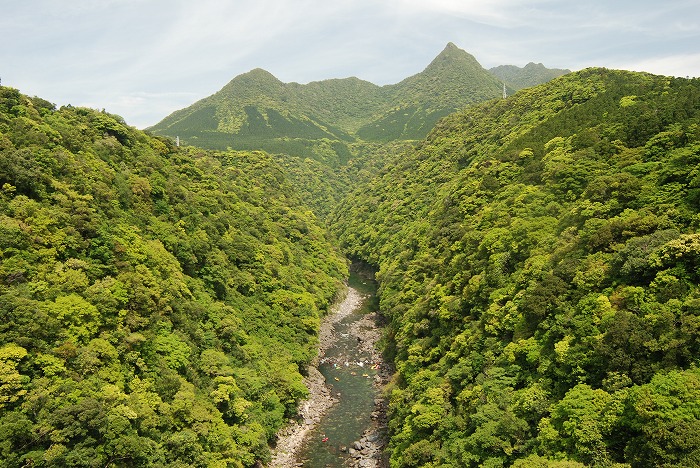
(350, 371)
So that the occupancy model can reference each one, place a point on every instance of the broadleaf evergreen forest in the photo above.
(538, 261)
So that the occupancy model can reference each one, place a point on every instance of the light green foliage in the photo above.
(77, 318)
(157, 303)
(174, 350)
(11, 382)
(535, 461)
(627, 101)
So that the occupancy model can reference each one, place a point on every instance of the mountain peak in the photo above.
(256, 79)
(451, 55)
(534, 66)
(259, 74)
(452, 51)
(451, 46)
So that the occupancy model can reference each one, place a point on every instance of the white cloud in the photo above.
(499, 13)
(681, 65)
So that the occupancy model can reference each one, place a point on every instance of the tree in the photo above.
(664, 419)
(11, 381)
(584, 419)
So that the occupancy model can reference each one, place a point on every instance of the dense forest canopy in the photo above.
(538, 259)
(157, 303)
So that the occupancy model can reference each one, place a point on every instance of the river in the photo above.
(350, 429)
(350, 366)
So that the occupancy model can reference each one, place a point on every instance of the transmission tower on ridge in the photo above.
(505, 95)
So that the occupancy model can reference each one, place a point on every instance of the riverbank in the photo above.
(310, 411)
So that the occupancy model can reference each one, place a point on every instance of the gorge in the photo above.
(536, 262)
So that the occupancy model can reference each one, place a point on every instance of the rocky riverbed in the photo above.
(367, 450)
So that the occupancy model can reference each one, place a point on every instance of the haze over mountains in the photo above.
(257, 111)
(531, 74)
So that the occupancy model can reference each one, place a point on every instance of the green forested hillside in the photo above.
(451, 81)
(156, 303)
(257, 111)
(323, 186)
(538, 260)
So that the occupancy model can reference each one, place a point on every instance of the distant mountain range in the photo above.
(255, 110)
(531, 74)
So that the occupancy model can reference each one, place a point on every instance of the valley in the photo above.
(536, 263)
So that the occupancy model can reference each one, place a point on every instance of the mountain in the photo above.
(531, 74)
(451, 81)
(257, 111)
(538, 263)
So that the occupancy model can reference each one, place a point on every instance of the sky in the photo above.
(143, 59)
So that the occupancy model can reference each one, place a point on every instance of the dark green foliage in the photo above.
(451, 81)
(406, 123)
(538, 258)
(157, 304)
(336, 170)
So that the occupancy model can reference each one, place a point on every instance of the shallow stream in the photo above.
(350, 372)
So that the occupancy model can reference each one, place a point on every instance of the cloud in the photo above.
(499, 13)
(136, 55)
(680, 65)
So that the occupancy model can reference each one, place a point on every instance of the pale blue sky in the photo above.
(143, 59)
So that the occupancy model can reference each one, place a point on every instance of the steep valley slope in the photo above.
(538, 263)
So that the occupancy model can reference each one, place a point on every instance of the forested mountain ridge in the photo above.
(531, 74)
(451, 81)
(156, 303)
(538, 262)
(257, 111)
